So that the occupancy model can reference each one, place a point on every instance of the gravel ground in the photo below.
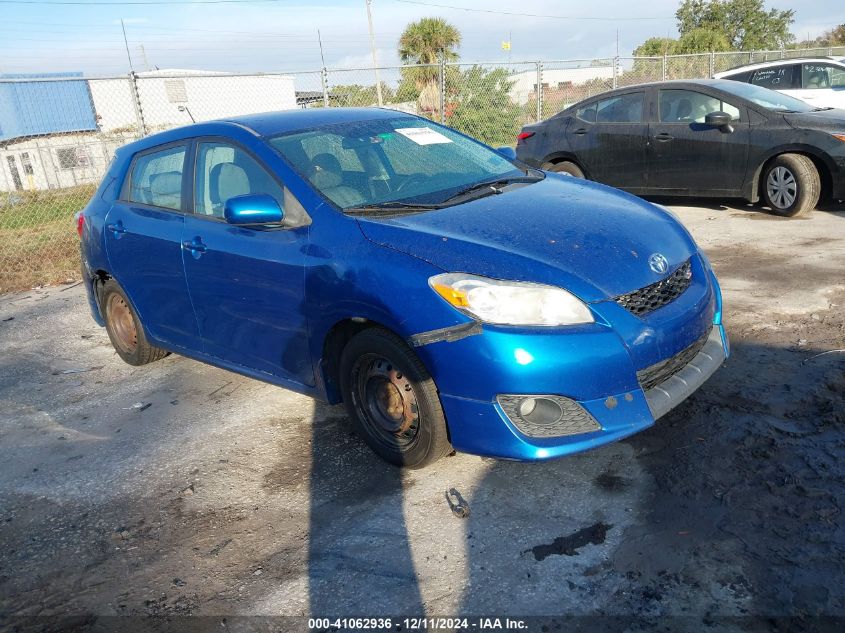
(177, 489)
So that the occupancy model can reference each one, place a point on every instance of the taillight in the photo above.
(80, 222)
(523, 135)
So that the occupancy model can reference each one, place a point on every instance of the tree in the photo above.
(482, 107)
(656, 47)
(745, 23)
(427, 41)
(702, 40)
(357, 95)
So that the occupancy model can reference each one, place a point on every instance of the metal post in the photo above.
(664, 65)
(712, 64)
(373, 50)
(324, 76)
(136, 102)
(539, 91)
(442, 88)
(615, 72)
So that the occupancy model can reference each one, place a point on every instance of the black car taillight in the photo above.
(522, 136)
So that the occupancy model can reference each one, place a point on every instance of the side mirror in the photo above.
(507, 152)
(721, 120)
(253, 208)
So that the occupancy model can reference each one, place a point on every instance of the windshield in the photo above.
(766, 98)
(391, 161)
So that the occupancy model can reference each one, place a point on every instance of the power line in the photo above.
(528, 15)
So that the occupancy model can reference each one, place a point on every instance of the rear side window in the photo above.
(587, 113)
(156, 178)
(626, 108)
(774, 78)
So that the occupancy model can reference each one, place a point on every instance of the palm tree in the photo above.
(427, 42)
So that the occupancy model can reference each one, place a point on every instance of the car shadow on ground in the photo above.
(738, 204)
(731, 499)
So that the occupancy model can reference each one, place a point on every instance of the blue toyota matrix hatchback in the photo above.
(449, 295)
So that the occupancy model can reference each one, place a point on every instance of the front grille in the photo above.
(665, 369)
(648, 299)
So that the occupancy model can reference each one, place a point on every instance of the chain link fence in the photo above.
(58, 133)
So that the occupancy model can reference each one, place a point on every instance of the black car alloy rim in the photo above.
(385, 401)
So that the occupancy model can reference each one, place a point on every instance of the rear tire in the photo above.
(567, 167)
(124, 327)
(392, 400)
(791, 185)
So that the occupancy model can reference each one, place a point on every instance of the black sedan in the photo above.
(705, 137)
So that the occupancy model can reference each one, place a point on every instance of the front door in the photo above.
(688, 156)
(823, 84)
(247, 283)
(143, 233)
(609, 137)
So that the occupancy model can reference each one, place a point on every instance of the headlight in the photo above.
(510, 302)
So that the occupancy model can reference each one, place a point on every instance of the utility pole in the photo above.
(373, 50)
(126, 43)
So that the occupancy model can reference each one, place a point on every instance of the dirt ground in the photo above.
(177, 489)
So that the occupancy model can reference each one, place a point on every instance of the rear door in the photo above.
(609, 138)
(688, 156)
(143, 232)
(784, 78)
(247, 282)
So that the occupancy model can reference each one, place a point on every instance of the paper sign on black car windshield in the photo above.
(423, 135)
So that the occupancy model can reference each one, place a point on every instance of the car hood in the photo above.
(827, 120)
(593, 240)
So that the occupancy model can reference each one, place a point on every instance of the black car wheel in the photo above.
(124, 327)
(791, 185)
(567, 167)
(392, 400)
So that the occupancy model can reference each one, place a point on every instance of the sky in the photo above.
(281, 35)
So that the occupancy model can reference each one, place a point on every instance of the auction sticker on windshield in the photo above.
(423, 135)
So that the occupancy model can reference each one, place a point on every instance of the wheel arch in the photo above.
(564, 156)
(822, 162)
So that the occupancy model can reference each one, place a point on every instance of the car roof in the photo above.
(672, 83)
(780, 62)
(265, 124)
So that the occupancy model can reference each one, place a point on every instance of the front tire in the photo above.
(568, 168)
(124, 327)
(791, 185)
(392, 400)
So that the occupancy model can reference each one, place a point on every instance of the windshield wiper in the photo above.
(821, 109)
(490, 187)
(390, 207)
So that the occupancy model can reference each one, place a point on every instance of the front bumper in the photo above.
(593, 366)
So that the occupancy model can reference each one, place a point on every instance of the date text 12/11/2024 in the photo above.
(417, 624)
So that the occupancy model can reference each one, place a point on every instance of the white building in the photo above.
(524, 88)
(41, 148)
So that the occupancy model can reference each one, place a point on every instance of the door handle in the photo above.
(117, 229)
(581, 131)
(663, 137)
(195, 246)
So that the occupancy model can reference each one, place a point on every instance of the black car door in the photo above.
(686, 155)
(609, 137)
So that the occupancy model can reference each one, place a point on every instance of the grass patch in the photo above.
(38, 241)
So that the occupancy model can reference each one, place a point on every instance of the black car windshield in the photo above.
(769, 99)
(393, 162)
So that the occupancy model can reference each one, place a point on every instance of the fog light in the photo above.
(527, 406)
(547, 415)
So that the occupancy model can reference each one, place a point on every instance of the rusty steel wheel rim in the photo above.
(386, 402)
(122, 323)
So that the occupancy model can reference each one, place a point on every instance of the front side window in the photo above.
(820, 76)
(774, 78)
(688, 106)
(627, 108)
(406, 159)
(224, 171)
(156, 178)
